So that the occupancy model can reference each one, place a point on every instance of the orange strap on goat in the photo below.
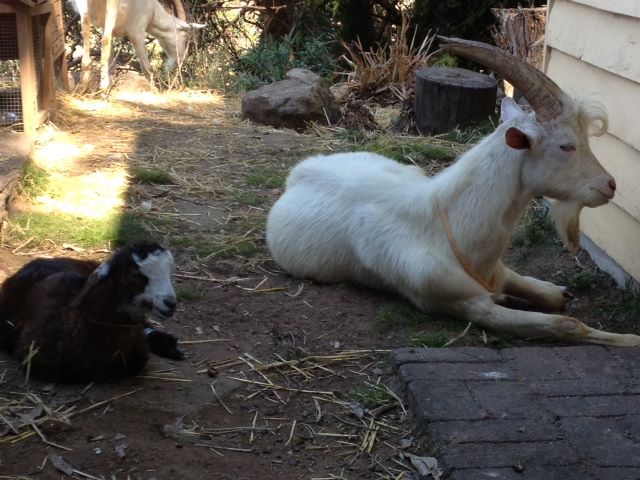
(464, 262)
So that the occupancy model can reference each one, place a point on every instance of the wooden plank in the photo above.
(28, 84)
(570, 29)
(623, 162)
(623, 7)
(618, 95)
(616, 233)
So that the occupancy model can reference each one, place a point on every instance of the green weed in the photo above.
(430, 340)
(35, 180)
(583, 280)
(87, 233)
(151, 176)
(371, 395)
(266, 178)
(185, 294)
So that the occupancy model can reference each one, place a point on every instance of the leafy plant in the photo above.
(270, 60)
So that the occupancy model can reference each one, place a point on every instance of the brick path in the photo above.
(540, 413)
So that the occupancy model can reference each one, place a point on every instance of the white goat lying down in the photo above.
(133, 19)
(439, 241)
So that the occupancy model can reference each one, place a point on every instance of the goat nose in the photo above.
(612, 184)
(170, 303)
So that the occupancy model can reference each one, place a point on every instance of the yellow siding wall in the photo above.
(593, 51)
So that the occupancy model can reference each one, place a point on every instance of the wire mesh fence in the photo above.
(10, 99)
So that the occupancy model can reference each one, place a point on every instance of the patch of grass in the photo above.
(534, 229)
(87, 233)
(473, 133)
(266, 178)
(393, 316)
(151, 176)
(584, 280)
(371, 395)
(248, 198)
(430, 340)
(246, 249)
(627, 303)
(35, 180)
(410, 152)
(186, 294)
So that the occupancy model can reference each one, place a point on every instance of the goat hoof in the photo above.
(164, 345)
(567, 294)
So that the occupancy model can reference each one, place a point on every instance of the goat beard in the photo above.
(566, 216)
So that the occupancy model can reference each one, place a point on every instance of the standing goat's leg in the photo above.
(141, 51)
(85, 79)
(483, 311)
(538, 294)
(111, 14)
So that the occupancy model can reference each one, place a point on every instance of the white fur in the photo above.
(133, 19)
(365, 218)
(159, 293)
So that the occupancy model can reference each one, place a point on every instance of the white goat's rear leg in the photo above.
(482, 311)
(111, 14)
(540, 294)
(85, 79)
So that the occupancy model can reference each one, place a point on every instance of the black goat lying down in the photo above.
(80, 320)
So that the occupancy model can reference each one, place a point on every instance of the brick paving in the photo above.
(532, 413)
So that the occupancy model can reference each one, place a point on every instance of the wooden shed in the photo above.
(31, 53)
(593, 50)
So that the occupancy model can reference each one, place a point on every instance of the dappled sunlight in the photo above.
(59, 153)
(170, 97)
(94, 196)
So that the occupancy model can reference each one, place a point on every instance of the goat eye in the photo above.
(567, 148)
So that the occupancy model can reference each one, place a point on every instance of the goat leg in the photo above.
(541, 295)
(163, 344)
(484, 312)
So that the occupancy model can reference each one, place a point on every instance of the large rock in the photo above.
(300, 98)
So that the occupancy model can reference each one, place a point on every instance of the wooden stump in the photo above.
(449, 97)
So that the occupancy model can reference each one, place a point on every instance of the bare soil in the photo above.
(229, 411)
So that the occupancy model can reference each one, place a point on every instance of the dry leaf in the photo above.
(61, 464)
(425, 465)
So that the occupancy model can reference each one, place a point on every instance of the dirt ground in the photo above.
(284, 379)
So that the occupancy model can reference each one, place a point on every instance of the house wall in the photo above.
(593, 51)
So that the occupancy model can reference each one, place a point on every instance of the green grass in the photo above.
(87, 233)
(266, 178)
(626, 303)
(430, 340)
(371, 395)
(584, 280)
(473, 133)
(408, 152)
(186, 294)
(533, 230)
(251, 199)
(151, 176)
(35, 180)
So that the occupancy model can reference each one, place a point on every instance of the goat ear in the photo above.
(517, 139)
(509, 109)
(95, 279)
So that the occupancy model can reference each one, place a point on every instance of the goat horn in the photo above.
(542, 93)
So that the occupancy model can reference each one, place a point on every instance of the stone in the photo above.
(300, 98)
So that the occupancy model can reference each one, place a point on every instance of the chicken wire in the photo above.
(11, 116)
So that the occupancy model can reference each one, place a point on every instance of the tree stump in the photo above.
(449, 97)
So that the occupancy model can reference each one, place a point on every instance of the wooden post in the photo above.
(28, 76)
(449, 97)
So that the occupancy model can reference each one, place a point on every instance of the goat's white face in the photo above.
(159, 293)
(561, 165)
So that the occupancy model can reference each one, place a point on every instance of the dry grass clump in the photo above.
(390, 69)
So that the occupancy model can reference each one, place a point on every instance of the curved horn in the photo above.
(541, 92)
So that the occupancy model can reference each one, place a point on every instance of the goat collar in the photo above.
(467, 266)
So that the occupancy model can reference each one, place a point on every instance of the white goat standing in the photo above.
(133, 19)
(439, 241)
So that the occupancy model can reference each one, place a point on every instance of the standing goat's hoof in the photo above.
(163, 344)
